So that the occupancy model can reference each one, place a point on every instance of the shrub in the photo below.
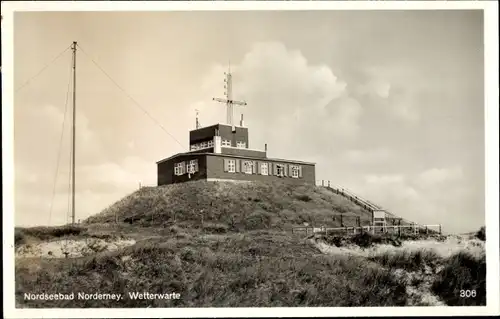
(462, 272)
(408, 260)
(258, 220)
(304, 198)
(481, 233)
(21, 235)
(363, 239)
(215, 228)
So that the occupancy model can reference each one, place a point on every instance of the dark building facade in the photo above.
(221, 152)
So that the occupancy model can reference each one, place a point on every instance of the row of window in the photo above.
(189, 167)
(262, 168)
(202, 145)
(238, 144)
(247, 167)
(208, 144)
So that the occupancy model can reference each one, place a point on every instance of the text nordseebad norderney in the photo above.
(144, 295)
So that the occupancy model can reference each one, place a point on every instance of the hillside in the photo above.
(238, 206)
(230, 245)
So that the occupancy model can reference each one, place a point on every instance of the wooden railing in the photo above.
(352, 230)
(368, 205)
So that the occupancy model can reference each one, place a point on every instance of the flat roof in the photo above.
(237, 156)
(217, 124)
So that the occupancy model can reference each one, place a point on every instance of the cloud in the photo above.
(427, 197)
(385, 179)
(289, 99)
(376, 87)
(392, 89)
(368, 156)
(98, 186)
(39, 132)
(440, 175)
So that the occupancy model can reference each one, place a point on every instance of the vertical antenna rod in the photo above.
(229, 98)
(73, 138)
(197, 121)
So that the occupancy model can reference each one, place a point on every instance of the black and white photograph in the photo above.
(231, 157)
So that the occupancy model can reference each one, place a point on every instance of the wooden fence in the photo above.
(352, 230)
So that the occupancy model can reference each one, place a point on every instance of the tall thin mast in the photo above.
(73, 138)
(229, 98)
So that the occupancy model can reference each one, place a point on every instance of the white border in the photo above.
(491, 130)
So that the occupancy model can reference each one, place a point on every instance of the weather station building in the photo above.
(221, 152)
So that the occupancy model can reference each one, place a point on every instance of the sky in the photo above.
(388, 103)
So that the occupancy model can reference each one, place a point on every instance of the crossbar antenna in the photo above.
(228, 100)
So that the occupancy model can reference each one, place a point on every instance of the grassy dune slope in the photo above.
(235, 270)
(238, 206)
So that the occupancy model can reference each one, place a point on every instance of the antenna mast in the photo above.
(229, 98)
(73, 215)
(197, 121)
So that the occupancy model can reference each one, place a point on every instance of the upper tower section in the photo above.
(225, 138)
(204, 137)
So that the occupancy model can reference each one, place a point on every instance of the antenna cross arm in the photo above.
(229, 101)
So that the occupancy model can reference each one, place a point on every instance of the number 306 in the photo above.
(467, 293)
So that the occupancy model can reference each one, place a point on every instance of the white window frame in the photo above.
(194, 147)
(178, 168)
(295, 171)
(264, 169)
(190, 167)
(231, 166)
(210, 143)
(241, 145)
(248, 167)
(203, 144)
(226, 143)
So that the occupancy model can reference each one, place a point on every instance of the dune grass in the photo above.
(256, 269)
(408, 260)
(243, 206)
(462, 272)
(228, 245)
(33, 234)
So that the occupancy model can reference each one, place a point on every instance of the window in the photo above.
(210, 143)
(203, 144)
(295, 171)
(194, 147)
(226, 143)
(248, 167)
(241, 145)
(263, 169)
(231, 166)
(192, 166)
(280, 170)
(179, 168)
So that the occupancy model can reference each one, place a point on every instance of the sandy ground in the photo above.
(447, 248)
(73, 248)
